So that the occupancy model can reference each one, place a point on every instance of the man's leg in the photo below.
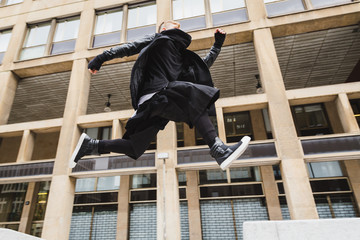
(223, 154)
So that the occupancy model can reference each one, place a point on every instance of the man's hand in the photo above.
(93, 71)
(95, 65)
(219, 37)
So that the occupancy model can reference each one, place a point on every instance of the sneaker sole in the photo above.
(237, 153)
(72, 162)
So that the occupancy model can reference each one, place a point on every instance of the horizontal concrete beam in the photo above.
(324, 229)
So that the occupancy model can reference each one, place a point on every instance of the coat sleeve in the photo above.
(210, 58)
(126, 49)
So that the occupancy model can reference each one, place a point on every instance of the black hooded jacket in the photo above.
(193, 68)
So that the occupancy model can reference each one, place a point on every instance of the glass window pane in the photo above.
(12, 197)
(148, 195)
(106, 39)
(33, 52)
(41, 201)
(212, 176)
(92, 132)
(144, 180)
(188, 8)
(108, 197)
(108, 183)
(108, 22)
(224, 5)
(36, 229)
(284, 7)
(142, 16)
(106, 133)
(136, 33)
(85, 185)
(4, 40)
(1, 56)
(230, 17)
(325, 3)
(38, 35)
(325, 169)
(63, 47)
(193, 23)
(9, 2)
(245, 174)
(67, 30)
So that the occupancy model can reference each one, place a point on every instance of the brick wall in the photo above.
(184, 220)
(143, 221)
(218, 221)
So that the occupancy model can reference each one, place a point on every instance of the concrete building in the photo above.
(288, 73)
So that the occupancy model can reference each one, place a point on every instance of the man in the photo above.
(168, 82)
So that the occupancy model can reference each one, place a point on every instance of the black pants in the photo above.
(203, 125)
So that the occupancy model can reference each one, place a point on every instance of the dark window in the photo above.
(212, 176)
(355, 104)
(182, 193)
(311, 120)
(237, 125)
(330, 185)
(145, 195)
(96, 198)
(231, 191)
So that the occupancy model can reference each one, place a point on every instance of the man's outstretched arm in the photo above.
(210, 58)
(127, 49)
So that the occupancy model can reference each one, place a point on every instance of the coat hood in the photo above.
(181, 38)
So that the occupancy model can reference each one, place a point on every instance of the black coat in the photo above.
(195, 69)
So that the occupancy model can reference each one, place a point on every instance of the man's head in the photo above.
(169, 24)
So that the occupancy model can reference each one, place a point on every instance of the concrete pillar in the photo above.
(189, 136)
(256, 10)
(123, 209)
(163, 11)
(87, 19)
(350, 125)
(267, 173)
(62, 190)
(26, 147)
(116, 129)
(192, 194)
(296, 182)
(8, 85)
(221, 123)
(168, 204)
(333, 117)
(29, 209)
(346, 114)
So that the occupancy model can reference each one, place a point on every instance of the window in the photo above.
(311, 120)
(39, 42)
(355, 105)
(280, 7)
(11, 2)
(36, 41)
(190, 14)
(108, 28)
(237, 125)
(12, 198)
(97, 184)
(4, 42)
(65, 36)
(324, 169)
(141, 21)
(144, 180)
(327, 3)
(101, 133)
(40, 208)
(228, 11)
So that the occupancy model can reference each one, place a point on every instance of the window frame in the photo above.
(2, 54)
(53, 23)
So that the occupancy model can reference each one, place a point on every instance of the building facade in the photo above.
(289, 76)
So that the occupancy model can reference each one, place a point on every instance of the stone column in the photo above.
(123, 209)
(8, 85)
(168, 205)
(62, 190)
(85, 29)
(29, 209)
(256, 10)
(26, 147)
(192, 195)
(267, 173)
(350, 125)
(189, 136)
(296, 182)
